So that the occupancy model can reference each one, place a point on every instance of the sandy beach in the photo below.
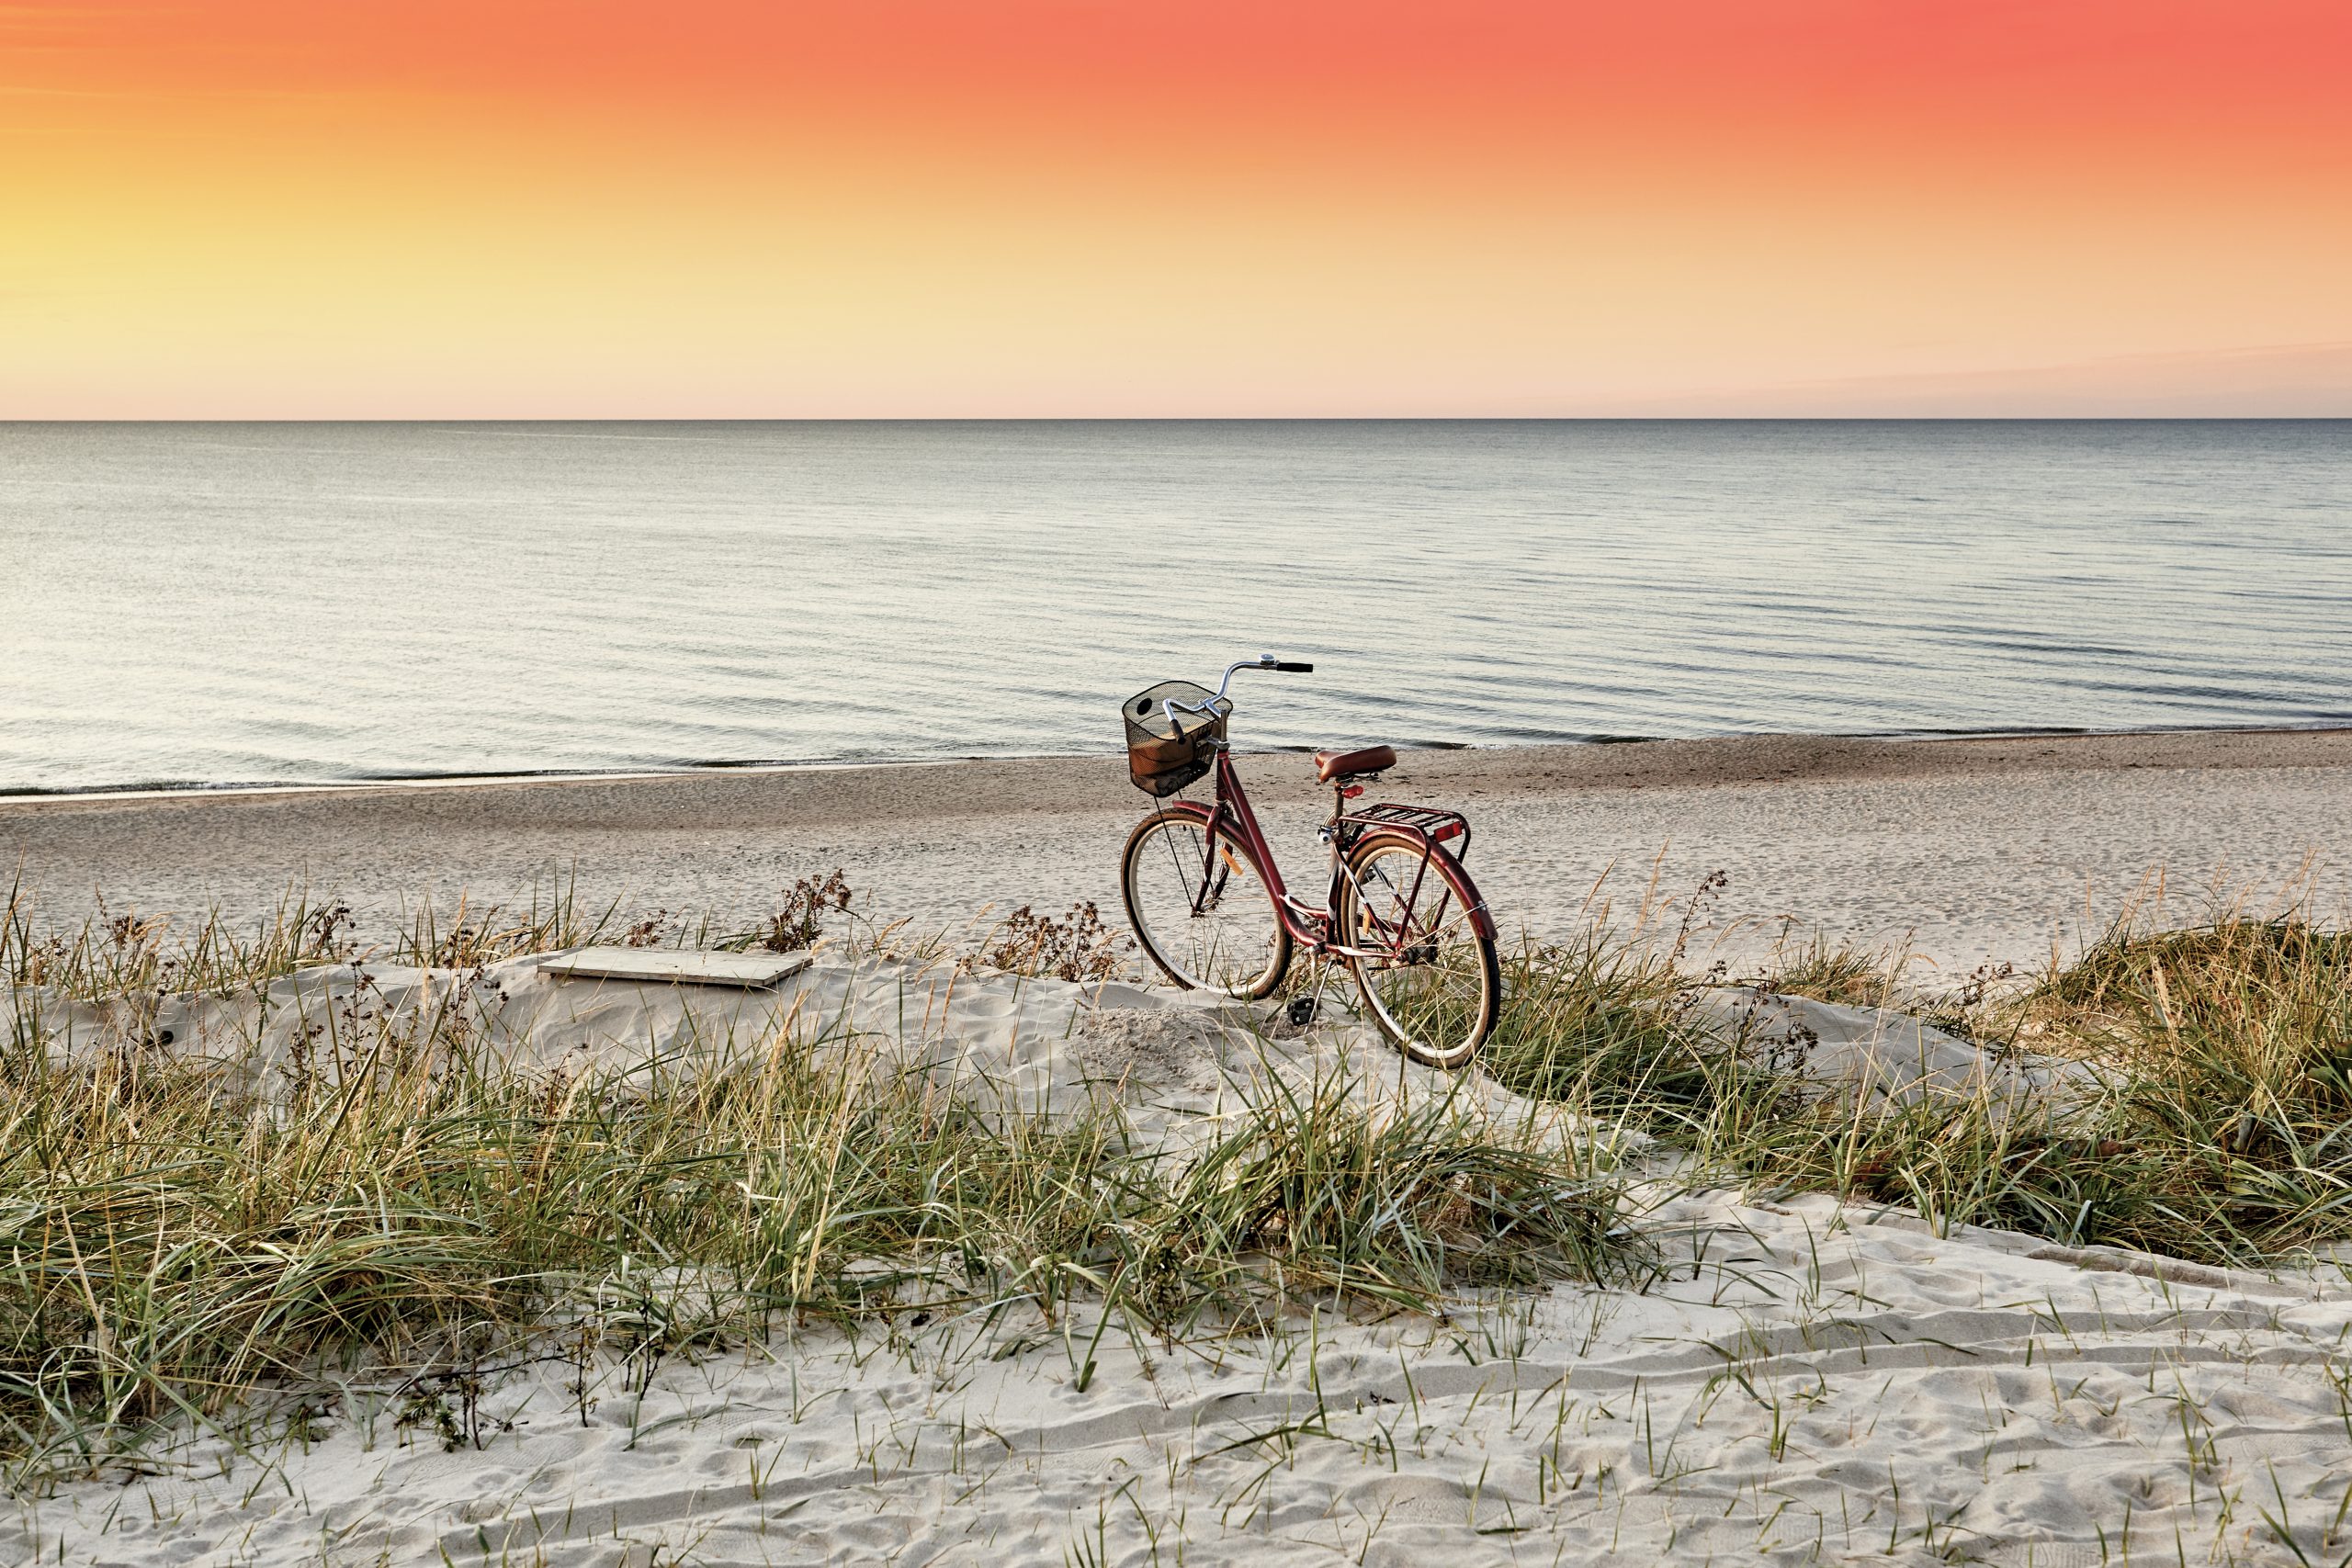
(1970, 850)
(1818, 1387)
(1783, 1377)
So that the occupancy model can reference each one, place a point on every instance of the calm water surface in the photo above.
(211, 605)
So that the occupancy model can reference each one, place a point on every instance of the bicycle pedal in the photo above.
(1301, 1012)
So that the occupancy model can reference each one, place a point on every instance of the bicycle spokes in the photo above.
(1421, 963)
(1201, 908)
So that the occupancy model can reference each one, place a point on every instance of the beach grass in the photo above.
(130, 955)
(169, 1244)
(2217, 1126)
(2220, 1129)
(401, 1196)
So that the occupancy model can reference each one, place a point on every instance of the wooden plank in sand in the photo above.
(676, 967)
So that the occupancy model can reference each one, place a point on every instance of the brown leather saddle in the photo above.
(1337, 767)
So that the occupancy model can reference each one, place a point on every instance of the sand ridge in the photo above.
(1163, 1060)
(1815, 1384)
(1799, 1381)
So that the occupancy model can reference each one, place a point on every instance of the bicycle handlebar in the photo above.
(1171, 708)
(1263, 661)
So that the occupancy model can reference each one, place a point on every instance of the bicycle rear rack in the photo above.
(1435, 825)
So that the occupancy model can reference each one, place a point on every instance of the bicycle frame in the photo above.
(1313, 927)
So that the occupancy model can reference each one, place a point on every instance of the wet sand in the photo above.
(1971, 850)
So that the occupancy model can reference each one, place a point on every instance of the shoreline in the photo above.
(1969, 850)
(107, 794)
(33, 796)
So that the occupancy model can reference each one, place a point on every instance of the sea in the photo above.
(201, 606)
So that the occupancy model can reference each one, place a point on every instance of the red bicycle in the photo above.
(1208, 903)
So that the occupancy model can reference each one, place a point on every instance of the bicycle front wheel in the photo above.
(1202, 909)
(1430, 976)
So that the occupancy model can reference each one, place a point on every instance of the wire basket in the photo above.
(1166, 754)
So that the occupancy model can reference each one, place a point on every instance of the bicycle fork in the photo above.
(1216, 866)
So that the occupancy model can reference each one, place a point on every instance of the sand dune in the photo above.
(1167, 1061)
(1817, 1385)
(1800, 1382)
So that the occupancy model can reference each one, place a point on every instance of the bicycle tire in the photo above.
(1233, 949)
(1439, 1009)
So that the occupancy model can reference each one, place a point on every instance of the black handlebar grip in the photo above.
(1295, 669)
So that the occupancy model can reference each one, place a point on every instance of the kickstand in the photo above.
(1307, 1006)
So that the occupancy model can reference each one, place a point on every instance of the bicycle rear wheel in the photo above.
(1204, 915)
(1432, 982)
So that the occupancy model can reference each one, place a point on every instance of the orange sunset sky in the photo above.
(705, 207)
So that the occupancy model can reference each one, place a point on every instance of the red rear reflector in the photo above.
(1442, 834)
(1352, 792)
